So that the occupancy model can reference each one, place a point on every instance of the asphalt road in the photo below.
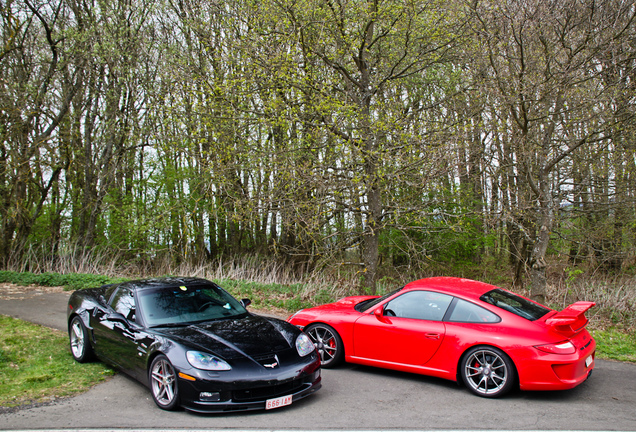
(352, 398)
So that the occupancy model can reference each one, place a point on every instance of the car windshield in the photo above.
(184, 305)
(515, 304)
(368, 304)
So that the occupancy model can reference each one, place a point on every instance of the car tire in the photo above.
(328, 343)
(81, 348)
(487, 371)
(163, 383)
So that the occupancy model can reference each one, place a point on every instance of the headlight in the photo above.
(304, 345)
(201, 360)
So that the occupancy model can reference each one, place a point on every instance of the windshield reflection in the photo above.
(187, 304)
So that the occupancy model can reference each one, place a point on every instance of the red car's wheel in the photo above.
(328, 343)
(488, 372)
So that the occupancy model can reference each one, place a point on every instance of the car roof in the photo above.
(164, 282)
(452, 285)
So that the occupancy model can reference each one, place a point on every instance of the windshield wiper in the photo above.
(183, 324)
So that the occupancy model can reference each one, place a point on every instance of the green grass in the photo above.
(615, 344)
(71, 281)
(36, 365)
(276, 296)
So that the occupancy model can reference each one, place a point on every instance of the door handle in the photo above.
(432, 335)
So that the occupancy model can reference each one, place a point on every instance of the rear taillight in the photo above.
(565, 347)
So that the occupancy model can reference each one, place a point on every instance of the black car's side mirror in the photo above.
(117, 317)
(246, 302)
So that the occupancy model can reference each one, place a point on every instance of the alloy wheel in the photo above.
(327, 343)
(486, 372)
(163, 382)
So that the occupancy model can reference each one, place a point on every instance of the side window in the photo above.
(424, 305)
(471, 313)
(124, 303)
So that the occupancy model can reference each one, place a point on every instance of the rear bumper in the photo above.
(557, 372)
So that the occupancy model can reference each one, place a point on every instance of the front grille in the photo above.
(262, 393)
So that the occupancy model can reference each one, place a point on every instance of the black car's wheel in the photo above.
(328, 343)
(488, 372)
(163, 383)
(78, 337)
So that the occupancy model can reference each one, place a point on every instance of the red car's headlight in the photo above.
(565, 347)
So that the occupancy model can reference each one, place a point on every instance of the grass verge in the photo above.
(36, 365)
(71, 281)
(613, 344)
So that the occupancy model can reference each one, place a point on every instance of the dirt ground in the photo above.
(10, 291)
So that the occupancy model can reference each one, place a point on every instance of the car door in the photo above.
(118, 333)
(406, 330)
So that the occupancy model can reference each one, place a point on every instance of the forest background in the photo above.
(351, 145)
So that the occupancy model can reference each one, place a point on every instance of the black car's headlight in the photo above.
(205, 361)
(304, 345)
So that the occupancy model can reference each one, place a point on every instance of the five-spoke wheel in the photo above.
(163, 383)
(78, 337)
(487, 371)
(328, 343)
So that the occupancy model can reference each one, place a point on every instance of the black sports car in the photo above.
(193, 344)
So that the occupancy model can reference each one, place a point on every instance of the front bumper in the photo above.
(207, 396)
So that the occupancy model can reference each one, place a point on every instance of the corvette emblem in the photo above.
(272, 365)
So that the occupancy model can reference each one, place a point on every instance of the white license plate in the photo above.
(278, 402)
(588, 361)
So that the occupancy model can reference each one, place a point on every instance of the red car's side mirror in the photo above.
(379, 314)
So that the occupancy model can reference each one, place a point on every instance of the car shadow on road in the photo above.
(516, 394)
(403, 376)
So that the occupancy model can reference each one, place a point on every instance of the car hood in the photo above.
(345, 303)
(250, 336)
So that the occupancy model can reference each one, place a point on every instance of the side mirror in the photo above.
(379, 314)
(246, 302)
(117, 317)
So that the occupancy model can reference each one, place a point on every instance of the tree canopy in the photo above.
(327, 133)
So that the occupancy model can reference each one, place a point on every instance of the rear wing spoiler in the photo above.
(571, 319)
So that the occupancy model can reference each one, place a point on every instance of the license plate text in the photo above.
(278, 402)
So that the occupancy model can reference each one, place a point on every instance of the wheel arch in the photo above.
(339, 333)
(69, 320)
(152, 356)
(461, 358)
(83, 315)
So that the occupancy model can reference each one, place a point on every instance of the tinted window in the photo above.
(471, 313)
(124, 303)
(186, 304)
(515, 304)
(368, 304)
(424, 305)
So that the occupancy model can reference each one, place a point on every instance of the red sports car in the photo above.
(458, 329)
